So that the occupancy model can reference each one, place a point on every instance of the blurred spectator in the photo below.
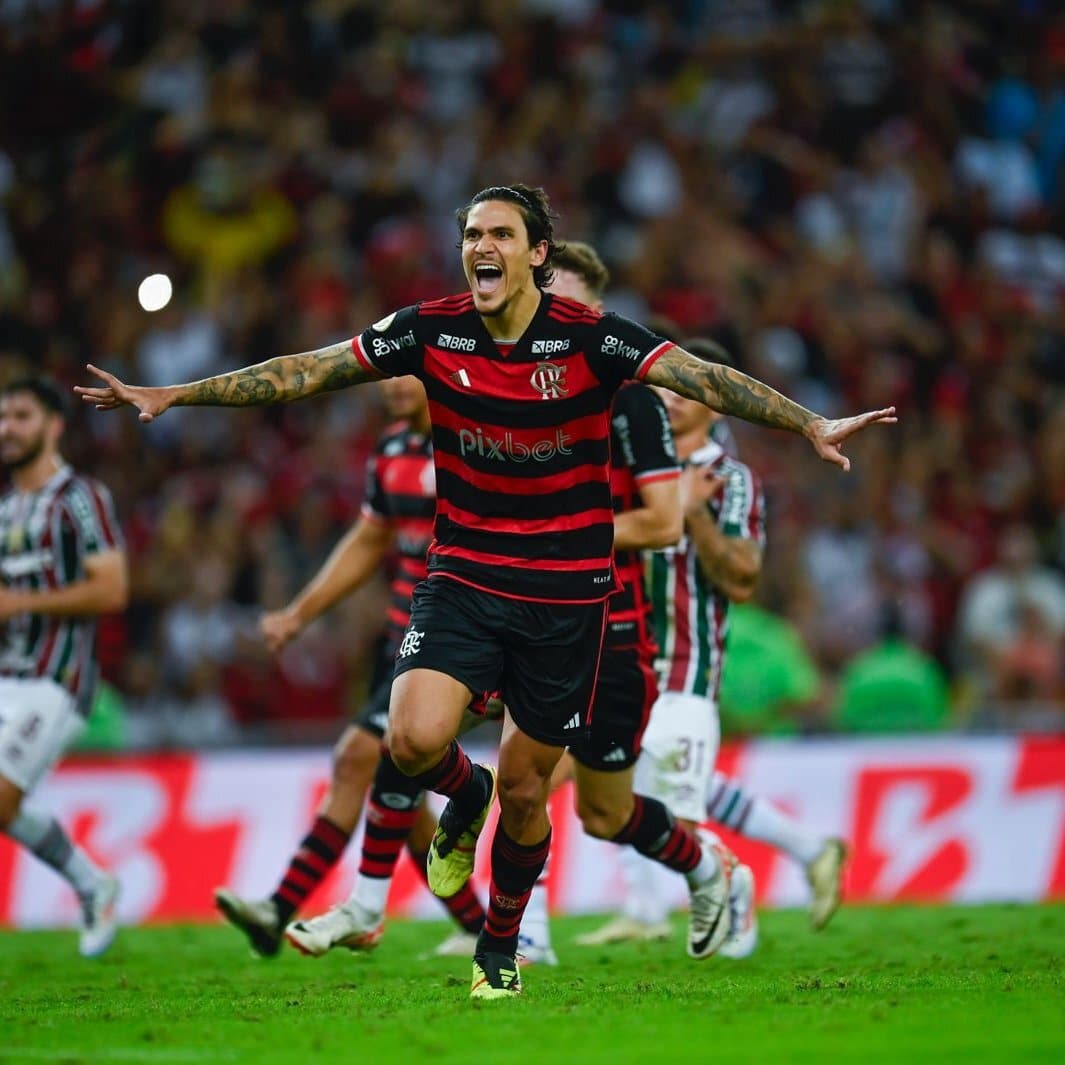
(225, 221)
(1012, 623)
(202, 625)
(892, 687)
(862, 199)
(769, 684)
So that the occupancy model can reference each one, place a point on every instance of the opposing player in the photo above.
(397, 515)
(63, 565)
(520, 384)
(717, 562)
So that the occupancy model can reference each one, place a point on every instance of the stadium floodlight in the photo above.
(154, 292)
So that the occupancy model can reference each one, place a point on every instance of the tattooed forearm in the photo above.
(279, 380)
(339, 368)
(728, 391)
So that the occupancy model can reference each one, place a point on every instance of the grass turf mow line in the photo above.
(881, 984)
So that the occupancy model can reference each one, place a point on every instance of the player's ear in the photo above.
(538, 254)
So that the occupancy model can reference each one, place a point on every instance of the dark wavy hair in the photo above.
(43, 389)
(535, 209)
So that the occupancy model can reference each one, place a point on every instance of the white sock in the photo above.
(44, 836)
(371, 893)
(709, 866)
(770, 824)
(643, 902)
(534, 923)
(729, 804)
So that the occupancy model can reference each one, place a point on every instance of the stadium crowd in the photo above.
(864, 200)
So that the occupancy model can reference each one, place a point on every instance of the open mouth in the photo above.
(488, 278)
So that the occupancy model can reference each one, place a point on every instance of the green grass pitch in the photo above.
(906, 984)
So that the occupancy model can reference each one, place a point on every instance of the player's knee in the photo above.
(522, 794)
(355, 758)
(602, 820)
(414, 752)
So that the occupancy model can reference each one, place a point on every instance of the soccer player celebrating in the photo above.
(647, 514)
(397, 514)
(63, 565)
(520, 384)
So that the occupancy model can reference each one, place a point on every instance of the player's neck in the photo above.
(690, 442)
(37, 474)
(514, 319)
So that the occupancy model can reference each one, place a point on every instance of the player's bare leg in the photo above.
(43, 836)
(425, 715)
(355, 758)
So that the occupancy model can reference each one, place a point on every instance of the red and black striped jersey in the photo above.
(401, 493)
(521, 439)
(45, 537)
(642, 452)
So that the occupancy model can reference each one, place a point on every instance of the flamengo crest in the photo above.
(549, 379)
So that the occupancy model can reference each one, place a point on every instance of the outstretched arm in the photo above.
(731, 392)
(279, 380)
(350, 564)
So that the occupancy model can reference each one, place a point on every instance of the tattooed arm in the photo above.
(731, 392)
(279, 380)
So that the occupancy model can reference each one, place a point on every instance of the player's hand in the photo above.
(698, 485)
(828, 436)
(150, 402)
(278, 627)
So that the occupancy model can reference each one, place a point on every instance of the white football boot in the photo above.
(743, 932)
(347, 925)
(624, 929)
(532, 952)
(256, 918)
(709, 919)
(99, 922)
(460, 944)
(825, 877)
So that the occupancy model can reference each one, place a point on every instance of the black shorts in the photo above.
(373, 717)
(541, 658)
(624, 695)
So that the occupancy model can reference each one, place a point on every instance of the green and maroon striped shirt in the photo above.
(690, 613)
(45, 537)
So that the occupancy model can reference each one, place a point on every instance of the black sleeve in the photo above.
(393, 346)
(619, 349)
(375, 506)
(642, 434)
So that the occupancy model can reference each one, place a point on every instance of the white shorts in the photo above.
(38, 721)
(679, 753)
